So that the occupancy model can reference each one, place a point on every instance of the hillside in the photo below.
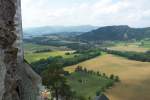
(34, 31)
(111, 33)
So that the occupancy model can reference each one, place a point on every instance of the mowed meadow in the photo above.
(134, 76)
(132, 46)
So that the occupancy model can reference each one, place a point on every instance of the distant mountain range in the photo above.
(112, 33)
(91, 33)
(35, 31)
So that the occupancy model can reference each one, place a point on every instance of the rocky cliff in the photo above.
(17, 80)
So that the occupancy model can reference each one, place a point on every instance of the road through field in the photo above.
(134, 75)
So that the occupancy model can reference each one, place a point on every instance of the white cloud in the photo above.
(100, 12)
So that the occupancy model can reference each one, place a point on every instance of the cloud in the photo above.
(135, 13)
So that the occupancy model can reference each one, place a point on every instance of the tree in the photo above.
(89, 98)
(142, 43)
(98, 74)
(85, 70)
(81, 98)
(104, 75)
(54, 79)
(67, 53)
(66, 92)
(98, 93)
(112, 76)
(117, 78)
(79, 69)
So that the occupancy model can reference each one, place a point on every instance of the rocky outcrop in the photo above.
(17, 80)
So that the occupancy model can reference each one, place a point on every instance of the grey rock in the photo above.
(17, 80)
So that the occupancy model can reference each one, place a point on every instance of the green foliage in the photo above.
(139, 56)
(42, 51)
(98, 93)
(112, 76)
(115, 33)
(145, 43)
(98, 73)
(53, 72)
(104, 75)
(89, 98)
(33, 57)
(67, 53)
(46, 41)
(41, 65)
(83, 81)
(117, 78)
(31, 47)
(81, 98)
(54, 79)
(87, 85)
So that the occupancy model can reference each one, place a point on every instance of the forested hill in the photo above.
(112, 33)
(34, 31)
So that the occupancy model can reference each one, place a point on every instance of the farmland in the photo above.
(32, 57)
(142, 46)
(134, 75)
(31, 47)
(31, 54)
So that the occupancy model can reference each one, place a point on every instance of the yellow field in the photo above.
(134, 75)
(129, 47)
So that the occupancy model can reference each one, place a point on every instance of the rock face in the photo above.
(17, 80)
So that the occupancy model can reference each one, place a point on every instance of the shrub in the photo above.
(117, 78)
(112, 77)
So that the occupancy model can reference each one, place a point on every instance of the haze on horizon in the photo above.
(135, 13)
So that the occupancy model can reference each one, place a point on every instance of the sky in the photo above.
(135, 13)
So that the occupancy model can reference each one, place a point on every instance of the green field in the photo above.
(141, 46)
(32, 57)
(93, 83)
(30, 48)
(145, 43)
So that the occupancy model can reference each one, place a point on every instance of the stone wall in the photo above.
(17, 80)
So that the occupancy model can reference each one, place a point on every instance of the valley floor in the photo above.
(134, 75)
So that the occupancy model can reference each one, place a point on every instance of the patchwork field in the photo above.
(134, 75)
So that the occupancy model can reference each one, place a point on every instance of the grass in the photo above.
(134, 75)
(30, 47)
(32, 57)
(94, 83)
(146, 43)
(131, 47)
